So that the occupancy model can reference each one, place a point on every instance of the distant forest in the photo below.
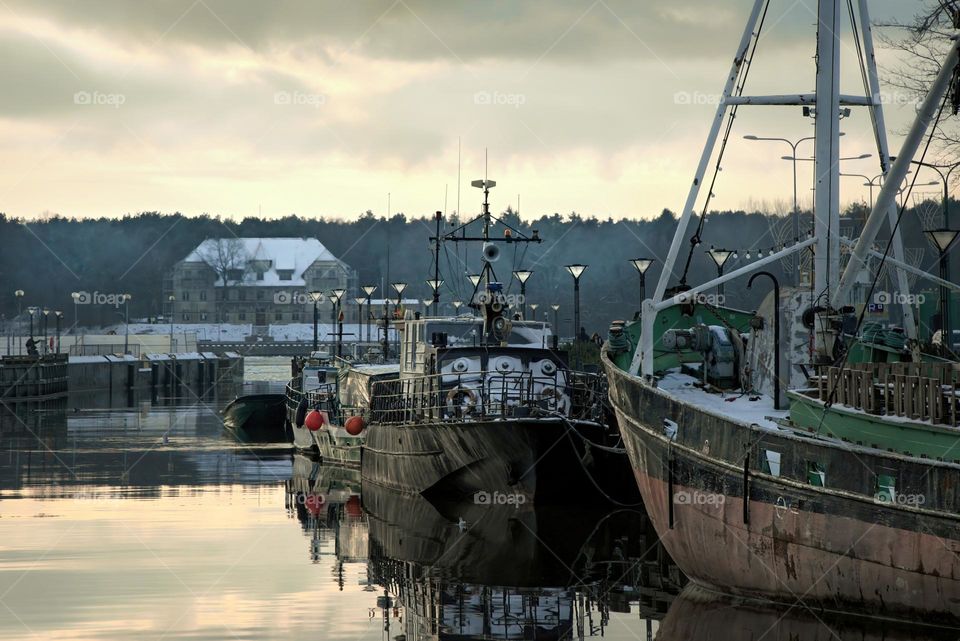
(48, 259)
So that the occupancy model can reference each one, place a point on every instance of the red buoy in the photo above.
(314, 503)
(314, 420)
(354, 425)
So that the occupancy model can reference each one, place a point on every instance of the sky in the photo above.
(323, 108)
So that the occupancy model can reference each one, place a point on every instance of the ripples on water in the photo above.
(151, 522)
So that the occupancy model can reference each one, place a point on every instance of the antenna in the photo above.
(458, 175)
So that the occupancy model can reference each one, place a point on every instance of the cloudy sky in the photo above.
(235, 107)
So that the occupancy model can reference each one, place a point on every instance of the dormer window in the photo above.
(285, 274)
(234, 274)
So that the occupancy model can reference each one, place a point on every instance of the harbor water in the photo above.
(152, 522)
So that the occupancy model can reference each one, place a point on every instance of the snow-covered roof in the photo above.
(296, 254)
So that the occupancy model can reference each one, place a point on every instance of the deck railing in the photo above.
(915, 391)
(482, 395)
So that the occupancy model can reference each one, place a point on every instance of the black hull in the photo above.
(258, 418)
(734, 527)
(540, 460)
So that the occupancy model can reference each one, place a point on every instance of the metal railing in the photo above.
(483, 395)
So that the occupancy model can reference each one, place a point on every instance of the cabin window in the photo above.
(816, 475)
(771, 462)
(886, 491)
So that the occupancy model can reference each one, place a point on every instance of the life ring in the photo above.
(469, 399)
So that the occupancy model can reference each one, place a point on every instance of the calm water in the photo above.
(150, 522)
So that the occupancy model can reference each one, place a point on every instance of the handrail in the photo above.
(481, 395)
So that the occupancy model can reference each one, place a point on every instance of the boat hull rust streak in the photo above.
(827, 547)
(540, 460)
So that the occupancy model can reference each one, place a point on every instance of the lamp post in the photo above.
(576, 270)
(19, 296)
(720, 258)
(793, 149)
(533, 310)
(58, 315)
(942, 240)
(30, 312)
(642, 265)
(368, 290)
(316, 297)
(456, 307)
(126, 323)
(556, 318)
(359, 300)
(335, 297)
(43, 323)
(776, 334)
(399, 287)
(435, 284)
(172, 299)
(523, 275)
(945, 177)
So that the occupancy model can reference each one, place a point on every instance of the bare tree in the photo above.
(922, 44)
(228, 259)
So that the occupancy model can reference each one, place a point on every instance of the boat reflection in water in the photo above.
(474, 571)
(699, 614)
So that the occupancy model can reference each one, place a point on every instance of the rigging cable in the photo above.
(741, 83)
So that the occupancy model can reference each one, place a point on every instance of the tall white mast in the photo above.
(826, 207)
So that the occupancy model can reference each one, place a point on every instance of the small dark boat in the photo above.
(257, 418)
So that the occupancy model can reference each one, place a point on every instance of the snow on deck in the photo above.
(734, 406)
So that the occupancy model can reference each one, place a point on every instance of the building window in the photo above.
(259, 294)
(285, 274)
(242, 316)
(278, 316)
(234, 274)
(295, 317)
(203, 295)
(242, 294)
(219, 294)
(259, 275)
(186, 316)
(184, 295)
(203, 317)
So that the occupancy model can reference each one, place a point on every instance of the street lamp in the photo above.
(456, 307)
(126, 323)
(30, 312)
(43, 322)
(435, 284)
(720, 258)
(533, 310)
(368, 290)
(58, 316)
(943, 239)
(19, 295)
(576, 270)
(172, 299)
(642, 265)
(556, 318)
(399, 287)
(335, 297)
(523, 275)
(316, 297)
(793, 148)
(359, 300)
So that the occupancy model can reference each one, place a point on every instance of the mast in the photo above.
(826, 208)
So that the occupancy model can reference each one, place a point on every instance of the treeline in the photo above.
(48, 259)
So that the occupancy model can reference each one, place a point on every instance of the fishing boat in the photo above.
(793, 453)
(487, 407)
(257, 418)
(327, 403)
